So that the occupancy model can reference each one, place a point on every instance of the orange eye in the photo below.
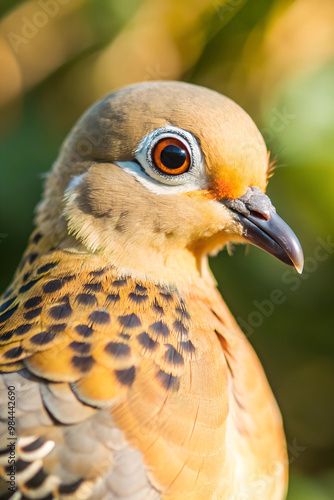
(171, 156)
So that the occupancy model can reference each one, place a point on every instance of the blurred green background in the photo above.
(276, 59)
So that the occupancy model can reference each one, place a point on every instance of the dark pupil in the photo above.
(173, 157)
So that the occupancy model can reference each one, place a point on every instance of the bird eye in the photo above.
(171, 156)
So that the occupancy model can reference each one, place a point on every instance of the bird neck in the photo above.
(168, 264)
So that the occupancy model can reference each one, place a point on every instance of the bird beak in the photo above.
(262, 227)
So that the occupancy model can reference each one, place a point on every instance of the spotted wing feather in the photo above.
(66, 353)
(89, 342)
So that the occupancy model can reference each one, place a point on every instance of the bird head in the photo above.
(157, 175)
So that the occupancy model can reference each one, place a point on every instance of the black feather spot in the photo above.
(187, 346)
(98, 272)
(29, 285)
(140, 288)
(129, 321)
(6, 304)
(32, 257)
(118, 350)
(13, 353)
(34, 445)
(119, 283)
(167, 380)
(80, 347)
(8, 314)
(113, 298)
(100, 317)
(166, 295)
(180, 328)
(158, 309)
(37, 238)
(21, 465)
(33, 302)
(42, 338)
(22, 329)
(159, 328)
(84, 330)
(69, 277)
(32, 314)
(60, 327)
(127, 376)
(93, 287)
(145, 341)
(26, 276)
(37, 480)
(172, 356)
(86, 299)
(83, 363)
(125, 336)
(64, 299)
(4, 337)
(138, 299)
(60, 312)
(47, 267)
(183, 313)
(53, 286)
(67, 489)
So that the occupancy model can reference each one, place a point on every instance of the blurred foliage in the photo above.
(276, 59)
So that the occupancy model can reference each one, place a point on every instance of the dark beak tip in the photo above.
(298, 261)
(275, 237)
(293, 249)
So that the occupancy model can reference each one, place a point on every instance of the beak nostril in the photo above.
(259, 215)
